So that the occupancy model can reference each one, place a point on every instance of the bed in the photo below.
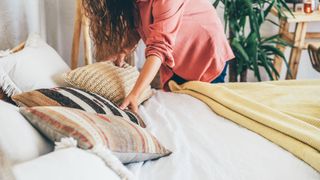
(204, 146)
(207, 146)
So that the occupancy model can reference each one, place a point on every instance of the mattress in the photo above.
(207, 146)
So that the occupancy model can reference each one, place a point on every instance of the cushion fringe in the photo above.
(7, 85)
(102, 152)
(4, 53)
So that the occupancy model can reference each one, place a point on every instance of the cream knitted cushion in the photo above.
(104, 78)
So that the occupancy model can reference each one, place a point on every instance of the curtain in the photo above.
(52, 19)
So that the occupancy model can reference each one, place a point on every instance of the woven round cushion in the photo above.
(104, 78)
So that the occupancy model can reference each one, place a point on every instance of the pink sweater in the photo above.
(186, 35)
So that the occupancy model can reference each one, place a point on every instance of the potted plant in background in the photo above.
(244, 19)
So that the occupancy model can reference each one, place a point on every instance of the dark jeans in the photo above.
(219, 79)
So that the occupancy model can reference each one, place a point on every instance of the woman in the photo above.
(184, 39)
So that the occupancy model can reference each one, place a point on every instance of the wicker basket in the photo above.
(314, 53)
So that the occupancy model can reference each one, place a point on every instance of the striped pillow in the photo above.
(129, 142)
(74, 98)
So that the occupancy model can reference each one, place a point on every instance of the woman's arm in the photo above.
(167, 16)
(147, 74)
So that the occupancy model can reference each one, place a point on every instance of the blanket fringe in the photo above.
(102, 152)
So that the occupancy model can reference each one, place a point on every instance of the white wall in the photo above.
(53, 19)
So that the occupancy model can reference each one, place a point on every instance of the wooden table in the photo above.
(297, 38)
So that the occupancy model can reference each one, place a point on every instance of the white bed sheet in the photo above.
(207, 146)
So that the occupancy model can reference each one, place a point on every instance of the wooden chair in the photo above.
(314, 53)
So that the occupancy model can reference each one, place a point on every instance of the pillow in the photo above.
(5, 167)
(74, 98)
(104, 78)
(18, 139)
(65, 164)
(36, 66)
(127, 141)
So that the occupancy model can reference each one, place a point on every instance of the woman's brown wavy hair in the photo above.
(112, 26)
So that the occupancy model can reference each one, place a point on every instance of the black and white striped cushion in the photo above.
(74, 98)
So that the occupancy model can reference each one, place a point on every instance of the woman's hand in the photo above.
(147, 74)
(130, 101)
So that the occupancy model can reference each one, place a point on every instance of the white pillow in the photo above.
(36, 66)
(65, 164)
(18, 139)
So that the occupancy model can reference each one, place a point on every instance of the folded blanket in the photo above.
(285, 112)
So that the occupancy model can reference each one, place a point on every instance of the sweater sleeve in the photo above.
(167, 16)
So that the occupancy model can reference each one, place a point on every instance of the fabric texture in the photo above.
(207, 146)
(19, 141)
(285, 112)
(74, 98)
(36, 66)
(104, 78)
(129, 142)
(187, 35)
(65, 164)
(5, 167)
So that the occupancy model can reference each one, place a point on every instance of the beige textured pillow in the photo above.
(104, 78)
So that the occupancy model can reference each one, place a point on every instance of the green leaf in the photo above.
(273, 69)
(264, 60)
(273, 22)
(239, 48)
(216, 3)
(274, 50)
(268, 9)
(268, 39)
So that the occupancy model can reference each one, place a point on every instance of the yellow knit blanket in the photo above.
(285, 112)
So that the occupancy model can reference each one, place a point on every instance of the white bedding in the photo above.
(207, 146)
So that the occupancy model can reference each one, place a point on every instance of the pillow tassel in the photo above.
(4, 53)
(65, 143)
(102, 152)
(112, 162)
(7, 85)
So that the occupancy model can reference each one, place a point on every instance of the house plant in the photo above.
(244, 19)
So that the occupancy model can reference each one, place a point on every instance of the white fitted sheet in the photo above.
(207, 146)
